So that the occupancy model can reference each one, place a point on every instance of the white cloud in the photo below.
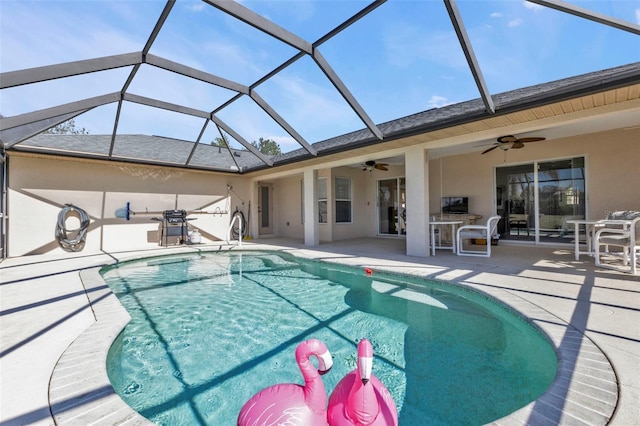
(195, 7)
(496, 15)
(437, 101)
(532, 6)
(286, 143)
(515, 22)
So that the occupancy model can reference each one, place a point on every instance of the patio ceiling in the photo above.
(168, 101)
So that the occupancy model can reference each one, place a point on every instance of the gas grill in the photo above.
(173, 227)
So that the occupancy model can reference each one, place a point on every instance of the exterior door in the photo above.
(265, 210)
(515, 186)
(391, 207)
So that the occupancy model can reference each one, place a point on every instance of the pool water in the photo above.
(209, 331)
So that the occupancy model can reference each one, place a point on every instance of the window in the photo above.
(343, 200)
(322, 200)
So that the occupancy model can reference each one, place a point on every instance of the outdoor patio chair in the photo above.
(619, 231)
(486, 232)
(436, 234)
(518, 222)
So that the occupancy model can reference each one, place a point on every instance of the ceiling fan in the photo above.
(371, 165)
(508, 142)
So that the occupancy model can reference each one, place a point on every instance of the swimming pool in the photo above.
(209, 331)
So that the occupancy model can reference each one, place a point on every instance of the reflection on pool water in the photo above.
(209, 331)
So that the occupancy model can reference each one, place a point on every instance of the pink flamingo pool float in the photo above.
(360, 398)
(289, 403)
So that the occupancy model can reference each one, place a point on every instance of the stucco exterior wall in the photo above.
(287, 201)
(613, 166)
(469, 175)
(40, 186)
(363, 206)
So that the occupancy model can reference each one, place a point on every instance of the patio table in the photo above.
(589, 229)
(453, 224)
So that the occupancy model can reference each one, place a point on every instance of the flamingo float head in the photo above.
(319, 350)
(290, 403)
(360, 398)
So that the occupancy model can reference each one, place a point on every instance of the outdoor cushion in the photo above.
(622, 214)
(614, 239)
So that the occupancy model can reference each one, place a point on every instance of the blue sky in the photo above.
(400, 59)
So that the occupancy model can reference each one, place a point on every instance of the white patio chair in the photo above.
(437, 235)
(468, 232)
(619, 231)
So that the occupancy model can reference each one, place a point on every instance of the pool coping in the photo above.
(584, 391)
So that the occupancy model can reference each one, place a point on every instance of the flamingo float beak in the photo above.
(365, 360)
(365, 365)
(325, 362)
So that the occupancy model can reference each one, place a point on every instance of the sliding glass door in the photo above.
(561, 194)
(391, 207)
(515, 187)
(537, 199)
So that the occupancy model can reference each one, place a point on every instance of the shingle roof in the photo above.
(144, 149)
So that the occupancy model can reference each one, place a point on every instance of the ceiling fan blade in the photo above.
(490, 149)
(508, 138)
(525, 140)
(517, 145)
(381, 167)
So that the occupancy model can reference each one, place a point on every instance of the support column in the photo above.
(417, 181)
(311, 227)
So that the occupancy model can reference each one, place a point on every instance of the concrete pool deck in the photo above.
(48, 325)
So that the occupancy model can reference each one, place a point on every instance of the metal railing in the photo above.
(239, 219)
